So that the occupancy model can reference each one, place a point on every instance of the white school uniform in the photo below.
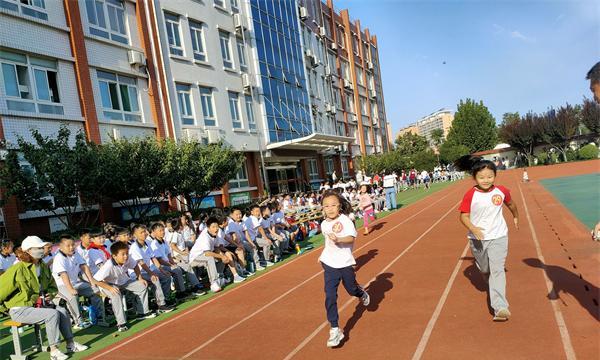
(145, 253)
(204, 243)
(67, 264)
(94, 258)
(160, 249)
(7, 261)
(252, 223)
(236, 228)
(485, 210)
(116, 274)
(338, 255)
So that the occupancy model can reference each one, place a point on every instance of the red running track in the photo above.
(427, 298)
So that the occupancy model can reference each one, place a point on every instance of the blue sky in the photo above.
(513, 55)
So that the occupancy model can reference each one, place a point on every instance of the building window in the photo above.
(119, 97)
(225, 49)
(185, 104)
(33, 8)
(313, 171)
(363, 106)
(219, 3)
(341, 37)
(206, 99)
(242, 55)
(241, 178)
(197, 40)
(329, 165)
(98, 11)
(235, 6)
(250, 113)
(359, 76)
(173, 34)
(345, 172)
(234, 109)
(30, 83)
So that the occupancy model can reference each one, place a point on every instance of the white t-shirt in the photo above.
(389, 181)
(338, 255)
(221, 238)
(485, 210)
(204, 243)
(424, 174)
(145, 253)
(70, 265)
(160, 249)
(93, 257)
(116, 274)
(177, 239)
(7, 261)
(252, 223)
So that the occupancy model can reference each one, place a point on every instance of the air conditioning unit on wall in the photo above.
(213, 135)
(334, 46)
(347, 84)
(303, 13)
(136, 58)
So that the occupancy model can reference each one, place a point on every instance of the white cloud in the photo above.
(498, 29)
(518, 35)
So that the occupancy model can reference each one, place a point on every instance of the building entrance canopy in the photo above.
(311, 142)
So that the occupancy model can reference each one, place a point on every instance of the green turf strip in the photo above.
(580, 194)
(98, 337)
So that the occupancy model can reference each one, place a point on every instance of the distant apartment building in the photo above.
(441, 119)
(294, 84)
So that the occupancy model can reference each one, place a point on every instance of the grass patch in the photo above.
(97, 337)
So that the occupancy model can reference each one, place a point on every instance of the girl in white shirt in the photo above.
(337, 259)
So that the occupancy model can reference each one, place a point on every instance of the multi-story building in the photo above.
(441, 119)
(293, 84)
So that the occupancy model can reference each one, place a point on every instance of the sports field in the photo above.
(427, 299)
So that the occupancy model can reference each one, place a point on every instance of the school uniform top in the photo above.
(252, 223)
(265, 223)
(337, 255)
(235, 228)
(221, 238)
(279, 218)
(67, 264)
(485, 210)
(160, 248)
(6, 261)
(177, 239)
(92, 257)
(389, 181)
(205, 242)
(142, 252)
(116, 274)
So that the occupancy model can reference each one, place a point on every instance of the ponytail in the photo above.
(474, 164)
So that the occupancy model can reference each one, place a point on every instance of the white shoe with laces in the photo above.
(57, 355)
(75, 347)
(335, 337)
(365, 298)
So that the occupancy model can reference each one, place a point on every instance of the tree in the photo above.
(510, 118)
(195, 169)
(59, 176)
(590, 116)
(523, 135)
(558, 128)
(437, 137)
(473, 126)
(450, 153)
(409, 144)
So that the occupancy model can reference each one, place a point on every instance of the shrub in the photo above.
(588, 152)
(542, 159)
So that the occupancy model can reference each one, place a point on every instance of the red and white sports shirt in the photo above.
(485, 210)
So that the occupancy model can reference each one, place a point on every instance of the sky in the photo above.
(513, 55)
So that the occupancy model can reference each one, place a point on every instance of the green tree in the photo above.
(59, 174)
(473, 126)
(196, 169)
(409, 144)
(590, 116)
(450, 152)
(510, 118)
(523, 135)
(559, 127)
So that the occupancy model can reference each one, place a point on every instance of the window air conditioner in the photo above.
(136, 58)
(303, 13)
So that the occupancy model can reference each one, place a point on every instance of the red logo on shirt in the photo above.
(337, 227)
(497, 200)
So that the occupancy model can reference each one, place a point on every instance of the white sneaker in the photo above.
(335, 337)
(238, 279)
(75, 347)
(365, 298)
(270, 263)
(57, 355)
(259, 268)
(502, 315)
(215, 287)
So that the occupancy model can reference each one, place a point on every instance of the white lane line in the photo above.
(438, 309)
(558, 316)
(245, 283)
(270, 303)
(351, 300)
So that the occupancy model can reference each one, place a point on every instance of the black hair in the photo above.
(474, 164)
(594, 74)
(84, 231)
(156, 225)
(6, 243)
(234, 209)
(118, 246)
(94, 234)
(213, 220)
(252, 207)
(65, 237)
(345, 206)
(121, 230)
(109, 229)
(263, 208)
(175, 223)
(134, 227)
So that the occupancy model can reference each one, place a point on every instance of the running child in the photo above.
(366, 205)
(337, 260)
(481, 214)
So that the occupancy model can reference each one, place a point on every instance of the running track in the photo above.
(427, 299)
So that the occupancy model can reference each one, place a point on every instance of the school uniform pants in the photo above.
(186, 268)
(72, 301)
(139, 290)
(490, 257)
(177, 276)
(390, 197)
(158, 287)
(252, 250)
(333, 276)
(213, 267)
(57, 321)
(266, 247)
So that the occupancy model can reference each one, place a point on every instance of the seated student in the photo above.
(93, 257)
(98, 243)
(7, 258)
(26, 291)
(67, 267)
(282, 227)
(180, 253)
(236, 229)
(206, 252)
(123, 235)
(231, 243)
(162, 253)
(109, 231)
(269, 231)
(158, 282)
(258, 234)
(113, 280)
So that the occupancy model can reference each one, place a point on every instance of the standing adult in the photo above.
(389, 186)
(26, 291)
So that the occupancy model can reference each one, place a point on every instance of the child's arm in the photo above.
(65, 278)
(88, 273)
(113, 289)
(264, 234)
(176, 250)
(513, 209)
(465, 219)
